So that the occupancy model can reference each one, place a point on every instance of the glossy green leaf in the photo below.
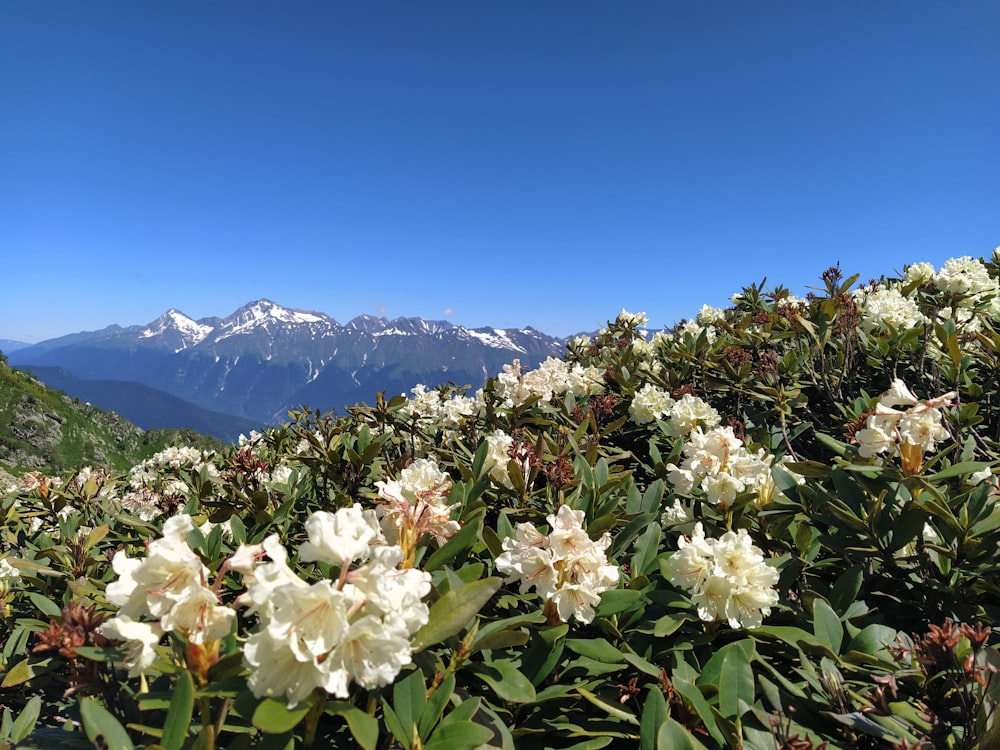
(827, 625)
(454, 611)
(178, 720)
(275, 717)
(99, 723)
(673, 735)
(730, 672)
(507, 681)
(460, 735)
(654, 714)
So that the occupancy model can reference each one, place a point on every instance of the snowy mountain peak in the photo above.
(190, 331)
(263, 313)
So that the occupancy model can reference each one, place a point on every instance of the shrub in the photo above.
(773, 526)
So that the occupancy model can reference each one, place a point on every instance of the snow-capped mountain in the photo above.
(264, 359)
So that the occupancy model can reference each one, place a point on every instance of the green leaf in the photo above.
(24, 671)
(408, 700)
(25, 722)
(98, 722)
(453, 612)
(959, 469)
(609, 708)
(459, 735)
(596, 648)
(364, 728)
(654, 714)
(45, 605)
(646, 549)
(827, 625)
(436, 703)
(674, 736)
(846, 589)
(459, 543)
(730, 672)
(275, 717)
(178, 720)
(507, 681)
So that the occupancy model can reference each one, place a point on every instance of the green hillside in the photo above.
(45, 430)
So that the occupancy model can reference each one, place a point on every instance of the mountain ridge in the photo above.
(263, 359)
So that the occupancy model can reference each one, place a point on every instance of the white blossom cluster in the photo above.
(693, 329)
(886, 310)
(328, 634)
(436, 409)
(727, 577)
(652, 402)
(7, 571)
(159, 476)
(415, 505)
(498, 456)
(973, 292)
(165, 591)
(566, 567)
(903, 424)
(717, 462)
(554, 377)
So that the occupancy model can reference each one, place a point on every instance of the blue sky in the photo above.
(493, 163)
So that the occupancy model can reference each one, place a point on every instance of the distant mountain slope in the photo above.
(46, 430)
(9, 345)
(146, 407)
(264, 359)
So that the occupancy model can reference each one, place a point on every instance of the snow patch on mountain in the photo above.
(496, 338)
(192, 332)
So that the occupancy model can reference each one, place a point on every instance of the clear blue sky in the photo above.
(494, 163)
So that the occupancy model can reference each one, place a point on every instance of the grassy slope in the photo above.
(47, 430)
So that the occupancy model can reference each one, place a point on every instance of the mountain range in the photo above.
(265, 359)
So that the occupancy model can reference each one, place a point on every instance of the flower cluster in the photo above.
(439, 410)
(498, 456)
(158, 479)
(717, 462)
(328, 634)
(886, 310)
(554, 377)
(566, 567)
(910, 431)
(651, 403)
(414, 505)
(166, 591)
(727, 577)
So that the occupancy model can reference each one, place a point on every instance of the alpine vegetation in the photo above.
(773, 526)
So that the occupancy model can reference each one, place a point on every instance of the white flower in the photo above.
(676, 515)
(918, 274)
(170, 585)
(727, 577)
(338, 538)
(717, 462)
(141, 637)
(709, 315)
(632, 320)
(689, 411)
(497, 457)
(887, 310)
(649, 404)
(394, 594)
(372, 653)
(565, 567)
(965, 277)
(7, 571)
(909, 432)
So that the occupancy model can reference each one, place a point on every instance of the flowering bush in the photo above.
(773, 526)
